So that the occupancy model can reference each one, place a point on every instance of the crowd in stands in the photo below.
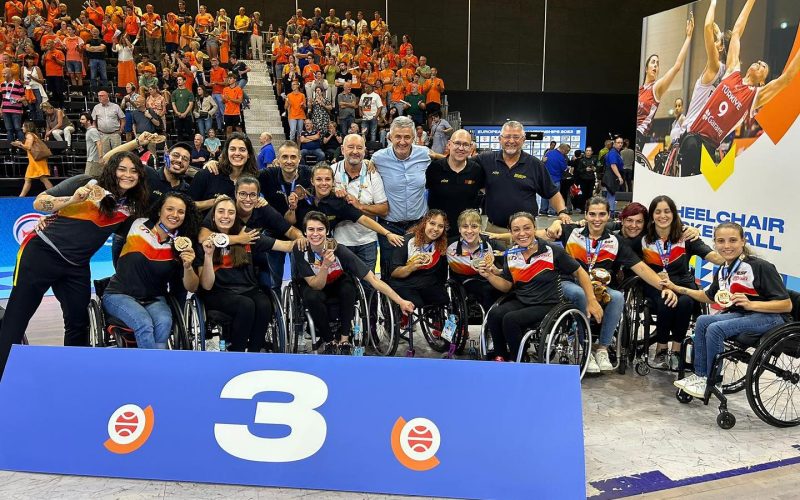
(343, 75)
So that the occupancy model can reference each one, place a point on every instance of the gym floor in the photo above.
(638, 439)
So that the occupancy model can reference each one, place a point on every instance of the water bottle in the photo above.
(222, 345)
(449, 328)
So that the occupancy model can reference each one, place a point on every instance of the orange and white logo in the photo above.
(415, 443)
(129, 428)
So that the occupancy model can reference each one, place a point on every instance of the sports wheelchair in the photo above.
(300, 328)
(390, 325)
(564, 336)
(205, 327)
(107, 331)
(766, 366)
(636, 333)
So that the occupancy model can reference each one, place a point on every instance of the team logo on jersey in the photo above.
(129, 427)
(25, 225)
(415, 443)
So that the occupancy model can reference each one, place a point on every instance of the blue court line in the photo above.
(647, 482)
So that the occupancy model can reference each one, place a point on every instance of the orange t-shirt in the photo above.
(296, 104)
(433, 90)
(224, 47)
(398, 92)
(51, 67)
(96, 15)
(218, 77)
(187, 33)
(172, 29)
(132, 25)
(308, 72)
(74, 45)
(282, 54)
(232, 108)
(150, 23)
(405, 73)
(378, 28)
(203, 22)
(317, 45)
(14, 9)
(387, 76)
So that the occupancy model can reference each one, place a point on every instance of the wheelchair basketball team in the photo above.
(514, 280)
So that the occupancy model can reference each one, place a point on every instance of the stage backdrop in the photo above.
(717, 126)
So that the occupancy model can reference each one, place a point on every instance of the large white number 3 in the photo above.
(308, 427)
(723, 108)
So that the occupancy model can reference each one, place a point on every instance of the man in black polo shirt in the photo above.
(454, 182)
(172, 176)
(278, 186)
(514, 178)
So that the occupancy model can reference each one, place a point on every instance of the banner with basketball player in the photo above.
(372, 425)
(717, 123)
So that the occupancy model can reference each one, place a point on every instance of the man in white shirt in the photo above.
(370, 105)
(365, 192)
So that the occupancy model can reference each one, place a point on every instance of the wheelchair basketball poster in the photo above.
(717, 120)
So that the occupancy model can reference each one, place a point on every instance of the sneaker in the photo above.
(345, 349)
(601, 357)
(660, 360)
(674, 359)
(696, 389)
(593, 367)
(681, 383)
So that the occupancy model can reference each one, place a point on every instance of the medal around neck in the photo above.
(723, 298)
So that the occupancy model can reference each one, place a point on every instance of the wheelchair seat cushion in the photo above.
(748, 339)
(116, 323)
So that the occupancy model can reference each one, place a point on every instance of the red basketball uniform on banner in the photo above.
(730, 103)
(647, 108)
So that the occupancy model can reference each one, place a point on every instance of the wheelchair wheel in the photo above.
(295, 325)
(734, 371)
(486, 342)
(96, 325)
(460, 307)
(179, 337)
(773, 375)
(565, 337)
(384, 335)
(194, 318)
(362, 318)
(276, 333)
(642, 160)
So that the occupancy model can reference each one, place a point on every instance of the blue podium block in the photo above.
(415, 427)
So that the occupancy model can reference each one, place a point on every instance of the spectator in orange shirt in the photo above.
(433, 88)
(317, 45)
(397, 95)
(14, 8)
(152, 32)
(232, 97)
(379, 28)
(131, 24)
(74, 45)
(187, 35)
(116, 13)
(95, 13)
(217, 79)
(386, 75)
(309, 71)
(8, 62)
(281, 51)
(410, 59)
(405, 46)
(296, 111)
(405, 72)
(54, 62)
(171, 33)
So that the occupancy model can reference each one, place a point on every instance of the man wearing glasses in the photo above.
(514, 178)
(454, 182)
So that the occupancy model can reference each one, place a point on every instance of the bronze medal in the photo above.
(723, 298)
(97, 193)
(182, 243)
(425, 259)
(330, 244)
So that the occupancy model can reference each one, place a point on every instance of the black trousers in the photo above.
(481, 289)
(344, 290)
(39, 267)
(185, 128)
(422, 296)
(509, 321)
(672, 322)
(250, 313)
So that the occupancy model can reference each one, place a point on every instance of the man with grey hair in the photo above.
(513, 179)
(402, 166)
(363, 190)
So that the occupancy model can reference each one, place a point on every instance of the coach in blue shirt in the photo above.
(402, 166)
(556, 165)
(612, 177)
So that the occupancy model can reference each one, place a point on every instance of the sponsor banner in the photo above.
(717, 131)
(413, 427)
(488, 138)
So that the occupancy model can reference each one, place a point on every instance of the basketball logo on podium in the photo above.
(129, 427)
(415, 443)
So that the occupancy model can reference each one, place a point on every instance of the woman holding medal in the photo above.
(531, 268)
(419, 267)
(228, 279)
(337, 209)
(322, 267)
(599, 252)
(85, 212)
(667, 252)
(467, 254)
(749, 289)
(157, 251)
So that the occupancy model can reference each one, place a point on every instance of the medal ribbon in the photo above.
(727, 273)
(170, 235)
(591, 257)
(361, 177)
(664, 252)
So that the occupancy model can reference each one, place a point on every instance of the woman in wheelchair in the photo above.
(228, 278)
(323, 267)
(464, 255)
(665, 250)
(157, 251)
(750, 291)
(418, 268)
(531, 268)
(599, 252)
(337, 209)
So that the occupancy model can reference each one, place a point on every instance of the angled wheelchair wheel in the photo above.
(362, 318)
(734, 371)
(97, 334)
(460, 307)
(565, 337)
(179, 337)
(384, 334)
(194, 317)
(773, 376)
(276, 332)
